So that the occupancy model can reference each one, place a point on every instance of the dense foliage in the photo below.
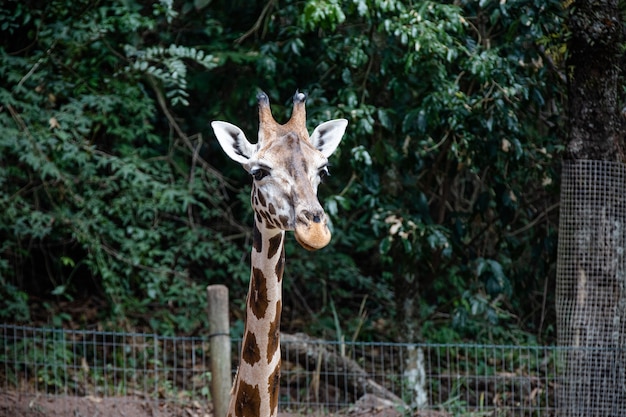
(442, 194)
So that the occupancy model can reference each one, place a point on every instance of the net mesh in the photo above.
(59, 372)
(591, 291)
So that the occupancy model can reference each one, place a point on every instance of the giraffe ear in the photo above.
(233, 141)
(326, 136)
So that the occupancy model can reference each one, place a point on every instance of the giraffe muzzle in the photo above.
(312, 231)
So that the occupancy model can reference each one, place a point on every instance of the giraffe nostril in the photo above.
(317, 219)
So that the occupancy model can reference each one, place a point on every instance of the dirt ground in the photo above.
(19, 404)
(13, 404)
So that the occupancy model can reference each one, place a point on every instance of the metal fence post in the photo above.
(221, 379)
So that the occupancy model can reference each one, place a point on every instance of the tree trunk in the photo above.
(407, 294)
(591, 272)
(591, 289)
(594, 65)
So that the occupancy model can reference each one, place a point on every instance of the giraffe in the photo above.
(286, 165)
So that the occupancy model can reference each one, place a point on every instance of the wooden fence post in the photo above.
(221, 379)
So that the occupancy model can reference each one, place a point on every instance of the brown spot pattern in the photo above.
(280, 265)
(261, 197)
(268, 219)
(250, 351)
(257, 240)
(284, 220)
(253, 198)
(273, 337)
(273, 386)
(275, 243)
(257, 298)
(271, 208)
(248, 400)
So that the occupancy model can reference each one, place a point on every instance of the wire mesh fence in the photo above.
(171, 375)
(455, 379)
(591, 288)
(67, 362)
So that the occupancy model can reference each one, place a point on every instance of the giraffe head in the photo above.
(286, 165)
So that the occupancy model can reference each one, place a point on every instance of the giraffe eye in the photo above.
(259, 173)
(323, 173)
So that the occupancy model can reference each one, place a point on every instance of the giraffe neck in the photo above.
(256, 386)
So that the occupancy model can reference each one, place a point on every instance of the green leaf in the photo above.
(59, 290)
